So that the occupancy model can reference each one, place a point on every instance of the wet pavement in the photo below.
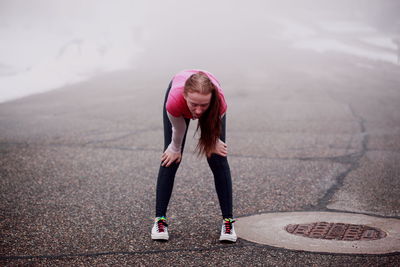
(78, 165)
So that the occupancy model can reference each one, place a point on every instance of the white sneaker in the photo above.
(228, 231)
(160, 229)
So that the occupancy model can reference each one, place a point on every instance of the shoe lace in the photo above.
(161, 224)
(228, 225)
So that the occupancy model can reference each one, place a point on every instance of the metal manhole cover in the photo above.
(322, 232)
(336, 231)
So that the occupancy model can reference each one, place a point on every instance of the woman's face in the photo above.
(197, 103)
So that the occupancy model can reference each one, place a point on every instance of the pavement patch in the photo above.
(331, 232)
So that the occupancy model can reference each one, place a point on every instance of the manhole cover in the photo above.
(332, 232)
(336, 231)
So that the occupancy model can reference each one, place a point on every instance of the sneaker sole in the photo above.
(228, 238)
(159, 237)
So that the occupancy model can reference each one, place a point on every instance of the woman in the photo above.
(194, 94)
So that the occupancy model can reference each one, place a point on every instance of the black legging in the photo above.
(218, 164)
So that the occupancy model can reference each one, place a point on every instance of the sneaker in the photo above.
(228, 231)
(160, 229)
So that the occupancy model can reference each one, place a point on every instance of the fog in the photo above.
(47, 44)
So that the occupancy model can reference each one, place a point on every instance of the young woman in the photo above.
(194, 94)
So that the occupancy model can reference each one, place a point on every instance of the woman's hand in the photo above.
(220, 148)
(169, 157)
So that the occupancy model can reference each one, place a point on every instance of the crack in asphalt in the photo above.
(144, 252)
(354, 161)
(147, 252)
(120, 137)
(327, 210)
(339, 159)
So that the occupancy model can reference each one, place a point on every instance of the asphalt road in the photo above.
(78, 165)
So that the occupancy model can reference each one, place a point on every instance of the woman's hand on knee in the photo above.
(220, 149)
(169, 157)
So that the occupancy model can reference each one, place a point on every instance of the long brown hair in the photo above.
(209, 122)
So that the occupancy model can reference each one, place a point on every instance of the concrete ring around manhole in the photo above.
(375, 235)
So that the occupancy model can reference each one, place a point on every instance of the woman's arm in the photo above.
(173, 152)
(178, 132)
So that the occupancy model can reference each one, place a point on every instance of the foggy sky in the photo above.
(47, 43)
